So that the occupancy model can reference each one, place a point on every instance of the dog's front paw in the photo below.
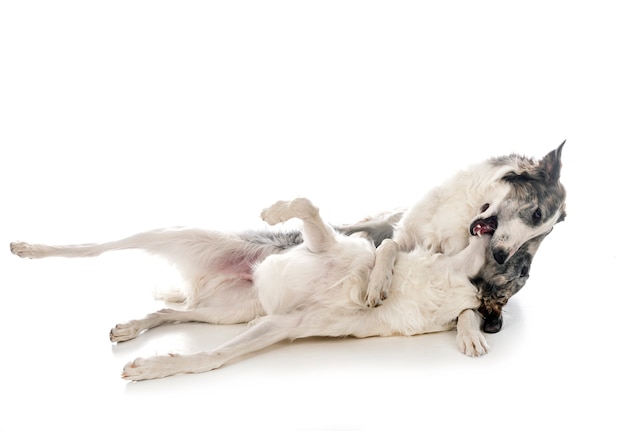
(155, 367)
(125, 331)
(472, 343)
(378, 288)
(25, 249)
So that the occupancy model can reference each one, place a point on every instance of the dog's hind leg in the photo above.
(243, 310)
(149, 241)
(265, 332)
(165, 242)
(37, 251)
(318, 236)
(207, 260)
(195, 252)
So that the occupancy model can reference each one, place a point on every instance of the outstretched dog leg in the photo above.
(164, 242)
(37, 251)
(131, 329)
(246, 309)
(265, 332)
(193, 251)
(318, 236)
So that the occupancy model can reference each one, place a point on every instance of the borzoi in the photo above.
(314, 289)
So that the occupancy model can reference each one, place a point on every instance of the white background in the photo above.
(122, 116)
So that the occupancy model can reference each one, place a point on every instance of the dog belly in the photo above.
(300, 279)
(286, 282)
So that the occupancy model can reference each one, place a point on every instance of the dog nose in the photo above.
(500, 256)
(492, 323)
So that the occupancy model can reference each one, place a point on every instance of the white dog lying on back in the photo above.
(314, 289)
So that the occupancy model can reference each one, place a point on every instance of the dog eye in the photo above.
(537, 215)
(524, 272)
(484, 208)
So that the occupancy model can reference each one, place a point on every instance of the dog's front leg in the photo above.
(267, 331)
(469, 338)
(382, 273)
(248, 307)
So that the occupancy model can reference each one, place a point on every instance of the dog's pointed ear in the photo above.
(551, 164)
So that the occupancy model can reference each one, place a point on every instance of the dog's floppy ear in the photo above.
(551, 164)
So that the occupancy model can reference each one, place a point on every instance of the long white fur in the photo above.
(314, 289)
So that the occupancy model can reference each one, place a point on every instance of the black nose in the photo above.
(500, 256)
(492, 323)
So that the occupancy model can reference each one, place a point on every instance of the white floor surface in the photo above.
(124, 117)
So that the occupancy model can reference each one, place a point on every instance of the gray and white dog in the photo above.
(515, 198)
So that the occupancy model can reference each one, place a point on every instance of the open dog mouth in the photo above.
(484, 226)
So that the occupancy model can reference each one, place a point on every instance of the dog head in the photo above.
(533, 204)
(497, 283)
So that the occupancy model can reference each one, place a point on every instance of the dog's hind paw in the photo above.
(25, 249)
